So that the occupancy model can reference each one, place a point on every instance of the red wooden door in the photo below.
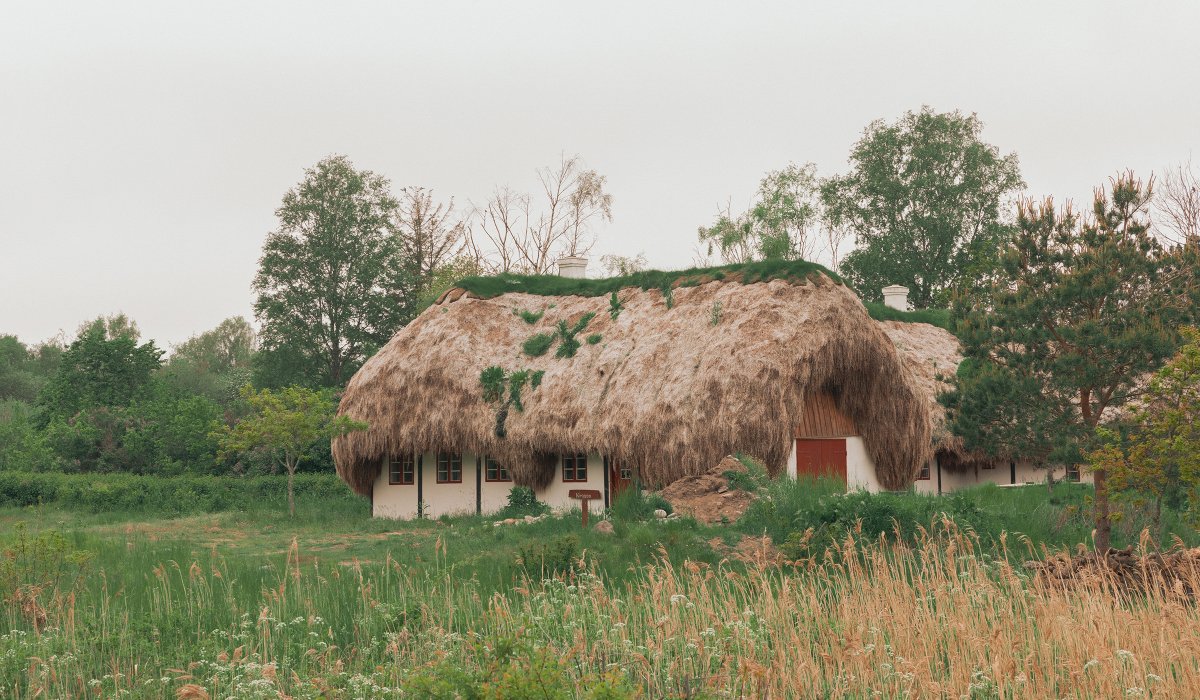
(821, 457)
(619, 478)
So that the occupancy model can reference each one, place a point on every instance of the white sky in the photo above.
(145, 146)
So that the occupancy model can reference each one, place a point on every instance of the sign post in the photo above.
(584, 495)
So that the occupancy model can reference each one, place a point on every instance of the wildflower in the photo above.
(1134, 692)
(1124, 655)
(1092, 663)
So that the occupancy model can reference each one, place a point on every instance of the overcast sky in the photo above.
(145, 146)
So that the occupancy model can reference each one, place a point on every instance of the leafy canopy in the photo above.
(331, 280)
(925, 197)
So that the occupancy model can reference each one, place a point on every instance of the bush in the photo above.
(522, 501)
(551, 558)
(529, 316)
(594, 338)
(633, 504)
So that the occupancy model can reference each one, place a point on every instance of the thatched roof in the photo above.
(931, 356)
(665, 389)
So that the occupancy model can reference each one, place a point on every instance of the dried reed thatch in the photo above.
(665, 389)
(931, 357)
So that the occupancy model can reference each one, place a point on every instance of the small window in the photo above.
(449, 468)
(626, 474)
(989, 465)
(402, 470)
(1072, 472)
(575, 467)
(923, 475)
(495, 471)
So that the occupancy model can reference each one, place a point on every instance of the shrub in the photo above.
(594, 338)
(538, 344)
(615, 306)
(522, 501)
(554, 557)
(634, 504)
(714, 316)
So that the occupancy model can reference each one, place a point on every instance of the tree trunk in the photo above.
(1103, 519)
(291, 470)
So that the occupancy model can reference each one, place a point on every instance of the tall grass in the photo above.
(938, 618)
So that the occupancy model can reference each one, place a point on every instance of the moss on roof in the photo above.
(553, 285)
(934, 317)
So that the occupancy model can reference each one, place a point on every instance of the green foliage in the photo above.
(287, 425)
(23, 445)
(516, 382)
(529, 316)
(554, 557)
(1156, 462)
(714, 314)
(333, 284)
(538, 344)
(925, 198)
(1075, 316)
(934, 317)
(568, 345)
(25, 370)
(535, 379)
(636, 505)
(99, 370)
(522, 501)
(493, 381)
(594, 339)
(168, 495)
(779, 225)
(668, 295)
(615, 306)
(753, 478)
(553, 285)
(36, 570)
(216, 363)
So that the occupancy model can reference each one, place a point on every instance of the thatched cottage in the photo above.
(661, 380)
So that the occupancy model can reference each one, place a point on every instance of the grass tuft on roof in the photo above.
(554, 285)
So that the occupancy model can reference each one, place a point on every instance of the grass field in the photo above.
(333, 604)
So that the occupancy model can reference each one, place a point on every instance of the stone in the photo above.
(604, 527)
(530, 519)
(660, 513)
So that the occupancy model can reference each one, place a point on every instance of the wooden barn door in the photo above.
(821, 457)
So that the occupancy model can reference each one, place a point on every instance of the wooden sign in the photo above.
(584, 495)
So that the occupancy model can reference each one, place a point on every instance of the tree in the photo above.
(429, 237)
(104, 367)
(331, 281)
(286, 424)
(784, 222)
(1158, 461)
(1060, 338)
(520, 238)
(215, 363)
(925, 198)
(622, 265)
(1178, 207)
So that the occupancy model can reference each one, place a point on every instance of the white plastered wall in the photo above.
(1027, 473)
(393, 500)
(448, 499)
(556, 492)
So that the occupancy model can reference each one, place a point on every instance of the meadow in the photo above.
(811, 594)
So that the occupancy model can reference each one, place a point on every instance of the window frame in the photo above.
(449, 459)
(577, 467)
(406, 475)
(926, 472)
(488, 464)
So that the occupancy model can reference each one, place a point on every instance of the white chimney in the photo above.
(896, 296)
(574, 266)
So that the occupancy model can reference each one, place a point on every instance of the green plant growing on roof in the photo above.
(615, 306)
(568, 345)
(538, 344)
(716, 313)
(530, 317)
(496, 382)
(668, 293)
(594, 338)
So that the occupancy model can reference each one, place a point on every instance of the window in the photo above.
(495, 471)
(449, 470)
(923, 475)
(626, 474)
(575, 467)
(1072, 472)
(402, 470)
(989, 465)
